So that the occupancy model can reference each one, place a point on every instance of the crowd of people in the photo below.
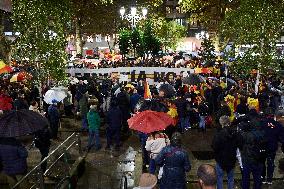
(244, 120)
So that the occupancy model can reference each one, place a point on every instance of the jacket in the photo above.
(225, 144)
(274, 133)
(83, 103)
(114, 117)
(181, 104)
(175, 163)
(13, 157)
(53, 114)
(94, 120)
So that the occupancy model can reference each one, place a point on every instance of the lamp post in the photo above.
(133, 17)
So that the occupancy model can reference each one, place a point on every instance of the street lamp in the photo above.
(202, 35)
(133, 17)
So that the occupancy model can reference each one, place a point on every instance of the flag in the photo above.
(4, 68)
(147, 92)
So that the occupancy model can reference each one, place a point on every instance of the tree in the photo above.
(124, 41)
(170, 34)
(207, 51)
(136, 41)
(42, 39)
(152, 43)
(258, 24)
(210, 14)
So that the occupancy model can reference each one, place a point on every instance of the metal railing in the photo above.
(60, 151)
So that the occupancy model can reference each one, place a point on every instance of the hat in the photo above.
(54, 101)
(147, 181)
(224, 121)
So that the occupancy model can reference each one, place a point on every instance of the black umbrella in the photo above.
(152, 104)
(168, 89)
(193, 79)
(21, 122)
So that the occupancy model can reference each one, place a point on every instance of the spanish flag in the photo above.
(147, 92)
(4, 68)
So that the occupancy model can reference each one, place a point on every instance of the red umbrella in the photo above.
(149, 121)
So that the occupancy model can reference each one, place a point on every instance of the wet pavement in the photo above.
(106, 168)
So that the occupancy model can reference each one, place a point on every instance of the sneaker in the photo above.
(269, 183)
(264, 182)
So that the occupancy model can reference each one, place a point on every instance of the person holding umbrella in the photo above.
(53, 118)
(13, 156)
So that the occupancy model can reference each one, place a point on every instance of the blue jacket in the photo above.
(114, 118)
(13, 159)
(53, 114)
(176, 163)
(134, 99)
(274, 133)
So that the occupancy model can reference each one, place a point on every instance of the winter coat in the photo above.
(225, 144)
(242, 109)
(274, 133)
(181, 104)
(175, 163)
(83, 104)
(134, 99)
(53, 114)
(13, 157)
(114, 117)
(42, 139)
(94, 120)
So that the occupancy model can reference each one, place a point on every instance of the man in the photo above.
(225, 144)
(183, 115)
(13, 156)
(175, 164)
(274, 133)
(114, 121)
(53, 117)
(252, 150)
(134, 99)
(83, 105)
(207, 177)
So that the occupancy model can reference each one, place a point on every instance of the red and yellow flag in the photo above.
(4, 68)
(147, 92)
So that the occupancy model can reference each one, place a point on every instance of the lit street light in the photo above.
(133, 17)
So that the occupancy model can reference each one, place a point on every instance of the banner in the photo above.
(152, 74)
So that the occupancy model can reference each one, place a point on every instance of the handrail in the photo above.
(45, 159)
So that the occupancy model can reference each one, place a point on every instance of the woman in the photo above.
(154, 144)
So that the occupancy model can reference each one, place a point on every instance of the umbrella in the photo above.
(21, 122)
(151, 104)
(168, 89)
(20, 76)
(54, 94)
(4, 68)
(193, 79)
(5, 102)
(149, 121)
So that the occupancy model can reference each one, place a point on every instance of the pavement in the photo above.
(105, 168)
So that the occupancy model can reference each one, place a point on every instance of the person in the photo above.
(20, 103)
(83, 105)
(34, 106)
(154, 144)
(274, 133)
(147, 181)
(134, 99)
(183, 115)
(42, 142)
(13, 156)
(94, 123)
(207, 177)
(175, 164)
(225, 144)
(242, 108)
(114, 121)
(251, 150)
(203, 112)
(54, 118)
